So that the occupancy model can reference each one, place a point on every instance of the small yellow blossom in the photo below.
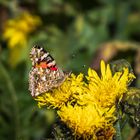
(16, 30)
(108, 88)
(88, 121)
(16, 33)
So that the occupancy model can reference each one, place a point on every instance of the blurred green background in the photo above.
(78, 34)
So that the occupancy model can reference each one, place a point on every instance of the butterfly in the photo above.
(44, 74)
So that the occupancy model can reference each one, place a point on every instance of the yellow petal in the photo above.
(17, 39)
(108, 72)
(103, 69)
(9, 33)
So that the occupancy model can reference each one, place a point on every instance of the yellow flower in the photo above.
(16, 30)
(88, 107)
(89, 122)
(16, 33)
(108, 89)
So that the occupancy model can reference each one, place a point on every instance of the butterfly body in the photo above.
(44, 75)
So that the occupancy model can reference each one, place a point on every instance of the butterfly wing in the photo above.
(44, 74)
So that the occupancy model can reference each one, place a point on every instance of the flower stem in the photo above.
(118, 131)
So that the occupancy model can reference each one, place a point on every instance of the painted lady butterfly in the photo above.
(44, 74)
